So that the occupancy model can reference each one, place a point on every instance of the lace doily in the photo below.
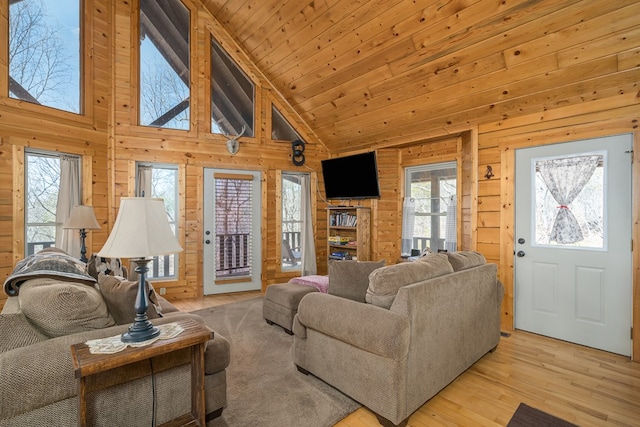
(114, 344)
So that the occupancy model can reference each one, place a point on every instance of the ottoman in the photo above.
(281, 301)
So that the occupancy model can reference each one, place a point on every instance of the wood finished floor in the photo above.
(581, 385)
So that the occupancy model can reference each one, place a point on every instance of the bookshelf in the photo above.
(349, 233)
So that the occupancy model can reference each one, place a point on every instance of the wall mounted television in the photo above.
(351, 177)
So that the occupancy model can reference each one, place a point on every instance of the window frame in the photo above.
(137, 72)
(281, 223)
(85, 62)
(408, 170)
(254, 83)
(175, 223)
(26, 224)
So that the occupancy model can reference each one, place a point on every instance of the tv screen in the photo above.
(351, 177)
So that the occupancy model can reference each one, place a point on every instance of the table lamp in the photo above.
(82, 218)
(141, 231)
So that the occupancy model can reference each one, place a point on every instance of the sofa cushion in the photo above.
(465, 259)
(120, 296)
(385, 282)
(62, 308)
(52, 263)
(350, 279)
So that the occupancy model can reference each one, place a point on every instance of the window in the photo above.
(233, 225)
(280, 127)
(44, 53)
(429, 214)
(232, 95)
(161, 181)
(292, 221)
(569, 201)
(164, 64)
(47, 205)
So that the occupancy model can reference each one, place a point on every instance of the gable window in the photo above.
(52, 188)
(164, 64)
(161, 181)
(280, 127)
(232, 95)
(44, 53)
(429, 210)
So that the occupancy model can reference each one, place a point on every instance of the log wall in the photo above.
(110, 141)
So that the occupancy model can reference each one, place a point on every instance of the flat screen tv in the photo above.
(351, 177)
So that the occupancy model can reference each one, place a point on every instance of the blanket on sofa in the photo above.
(48, 263)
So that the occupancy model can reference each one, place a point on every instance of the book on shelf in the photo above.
(343, 219)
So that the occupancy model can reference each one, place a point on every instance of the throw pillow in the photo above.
(465, 259)
(120, 295)
(385, 282)
(110, 266)
(350, 279)
(58, 308)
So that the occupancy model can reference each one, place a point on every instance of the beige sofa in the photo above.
(48, 311)
(423, 324)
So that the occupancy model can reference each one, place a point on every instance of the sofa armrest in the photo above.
(368, 327)
(42, 373)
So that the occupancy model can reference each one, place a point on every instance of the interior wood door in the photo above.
(573, 279)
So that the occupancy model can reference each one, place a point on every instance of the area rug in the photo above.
(264, 387)
(526, 416)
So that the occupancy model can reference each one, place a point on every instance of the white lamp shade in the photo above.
(141, 230)
(82, 217)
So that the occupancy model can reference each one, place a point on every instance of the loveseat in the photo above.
(53, 303)
(393, 337)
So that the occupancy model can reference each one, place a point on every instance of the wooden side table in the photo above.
(194, 336)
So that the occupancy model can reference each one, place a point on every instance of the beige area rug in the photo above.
(264, 387)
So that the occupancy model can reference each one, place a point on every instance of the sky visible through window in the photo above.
(61, 18)
(67, 12)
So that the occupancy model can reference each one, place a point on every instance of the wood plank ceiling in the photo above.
(374, 73)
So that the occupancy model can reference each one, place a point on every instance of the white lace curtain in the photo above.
(451, 227)
(565, 178)
(408, 224)
(68, 196)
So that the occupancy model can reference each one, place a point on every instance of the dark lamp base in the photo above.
(140, 331)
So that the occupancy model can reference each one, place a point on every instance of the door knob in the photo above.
(208, 242)
(520, 254)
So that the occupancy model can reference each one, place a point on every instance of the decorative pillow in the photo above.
(110, 266)
(120, 296)
(63, 308)
(385, 282)
(54, 264)
(350, 279)
(465, 259)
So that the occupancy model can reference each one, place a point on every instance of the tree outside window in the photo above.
(44, 53)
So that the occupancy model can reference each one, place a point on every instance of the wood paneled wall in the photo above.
(497, 143)
(107, 134)
(110, 141)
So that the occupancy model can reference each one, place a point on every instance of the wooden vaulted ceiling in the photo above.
(383, 72)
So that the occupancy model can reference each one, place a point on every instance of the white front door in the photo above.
(232, 221)
(573, 278)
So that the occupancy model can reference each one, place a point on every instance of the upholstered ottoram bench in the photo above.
(281, 301)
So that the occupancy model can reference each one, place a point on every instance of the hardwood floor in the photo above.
(581, 385)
